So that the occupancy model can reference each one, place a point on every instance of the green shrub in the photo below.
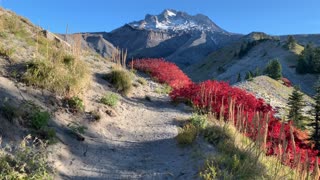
(76, 104)
(25, 162)
(200, 121)
(68, 60)
(165, 89)
(121, 80)
(216, 134)
(40, 119)
(209, 171)
(110, 99)
(142, 81)
(3, 34)
(77, 128)
(6, 52)
(57, 77)
(187, 135)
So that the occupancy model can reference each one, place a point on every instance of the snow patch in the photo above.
(170, 13)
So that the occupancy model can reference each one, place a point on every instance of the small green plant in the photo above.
(110, 99)
(3, 34)
(40, 119)
(6, 52)
(165, 89)
(121, 80)
(142, 81)
(209, 172)
(76, 104)
(68, 59)
(216, 134)
(200, 121)
(187, 135)
(77, 128)
(25, 162)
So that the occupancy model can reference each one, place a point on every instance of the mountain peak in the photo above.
(172, 20)
(169, 12)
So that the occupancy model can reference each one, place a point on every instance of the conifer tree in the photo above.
(239, 77)
(274, 69)
(295, 104)
(249, 76)
(315, 136)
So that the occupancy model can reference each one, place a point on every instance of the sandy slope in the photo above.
(136, 144)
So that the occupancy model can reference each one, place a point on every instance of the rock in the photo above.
(111, 113)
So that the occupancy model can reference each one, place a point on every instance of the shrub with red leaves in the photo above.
(163, 72)
(286, 82)
(250, 115)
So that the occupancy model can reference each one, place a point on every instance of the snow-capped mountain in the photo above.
(176, 21)
(177, 36)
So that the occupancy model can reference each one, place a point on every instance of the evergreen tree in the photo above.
(274, 69)
(256, 72)
(295, 104)
(239, 77)
(249, 76)
(315, 136)
(302, 66)
(291, 42)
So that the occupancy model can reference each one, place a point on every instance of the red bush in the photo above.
(162, 71)
(250, 115)
(286, 82)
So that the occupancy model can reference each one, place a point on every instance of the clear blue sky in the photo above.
(240, 16)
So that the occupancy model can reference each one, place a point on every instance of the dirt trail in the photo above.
(136, 144)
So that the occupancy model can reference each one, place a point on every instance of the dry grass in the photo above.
(62, 78)
(239, 157)
(121, 79)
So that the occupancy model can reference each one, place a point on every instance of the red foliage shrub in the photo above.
(163, 72)
(250, 115)
(286, 82)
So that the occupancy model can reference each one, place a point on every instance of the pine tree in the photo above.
(274, 69)
(291, 42)
(249, 76)
(295, 104)
(239, 77)
(315, 136)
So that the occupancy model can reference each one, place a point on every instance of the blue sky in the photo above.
(241, 16)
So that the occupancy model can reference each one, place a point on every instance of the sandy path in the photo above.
(136, 144)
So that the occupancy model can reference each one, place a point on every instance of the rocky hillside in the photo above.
(273, 92)
(226, 63)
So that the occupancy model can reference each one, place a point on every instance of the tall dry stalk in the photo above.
(221, 114)
(119, 56)
(316, 172)
(76, 47)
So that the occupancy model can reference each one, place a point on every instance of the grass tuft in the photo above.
(121, 80)
(58, 77)
(110, 99)
(187, 135)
